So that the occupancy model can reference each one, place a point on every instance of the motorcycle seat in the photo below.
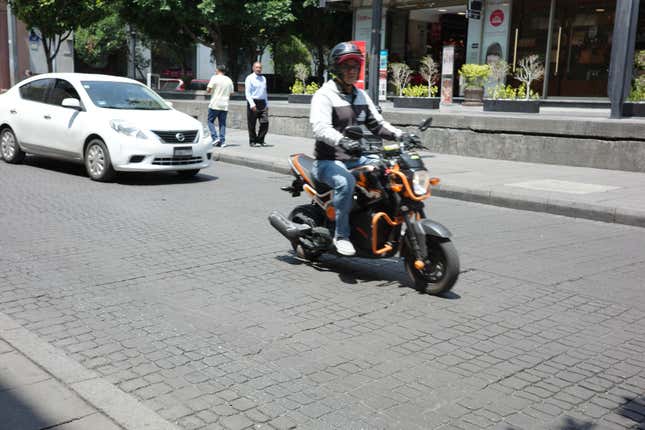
(304, 165)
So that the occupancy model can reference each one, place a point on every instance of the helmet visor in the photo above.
(347, 57)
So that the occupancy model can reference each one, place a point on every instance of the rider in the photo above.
(336, 105)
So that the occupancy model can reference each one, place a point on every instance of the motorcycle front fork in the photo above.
(414, 237)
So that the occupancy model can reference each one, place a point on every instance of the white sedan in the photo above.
(107, 122)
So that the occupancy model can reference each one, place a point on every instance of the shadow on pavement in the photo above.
(16, 412)
(390, 272)
(122, 178)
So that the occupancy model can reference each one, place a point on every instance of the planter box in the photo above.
(300, 98)
(473, 96)
(634, 109)
(416, 102)
(523, 106)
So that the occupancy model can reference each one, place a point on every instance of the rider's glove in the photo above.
(350, 146)
(411, 140)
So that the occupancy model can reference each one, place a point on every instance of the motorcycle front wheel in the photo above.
(441, 268)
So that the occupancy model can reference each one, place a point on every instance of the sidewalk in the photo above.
(597, 194)
(41, 388)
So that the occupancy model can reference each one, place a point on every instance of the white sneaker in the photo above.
(344, 247)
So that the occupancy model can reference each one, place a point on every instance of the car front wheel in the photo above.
(11, 152)
(97, 161)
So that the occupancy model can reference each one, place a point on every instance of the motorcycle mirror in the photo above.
(425, 124)
(354, 132)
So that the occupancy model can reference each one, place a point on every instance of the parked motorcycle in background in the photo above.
(387, 217)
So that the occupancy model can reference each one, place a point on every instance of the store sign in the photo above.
(382, 76)
(360, 83)
(497, 18)
(447, 71)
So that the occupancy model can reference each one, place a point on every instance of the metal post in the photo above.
(622, 54)
(375, 50)
(547, 55)
(14, 76)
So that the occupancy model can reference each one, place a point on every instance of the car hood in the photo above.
(170, 120)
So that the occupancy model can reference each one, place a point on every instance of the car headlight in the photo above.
(420, 182)
(124, 127)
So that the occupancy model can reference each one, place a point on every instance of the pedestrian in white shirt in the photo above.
(257, 105)
(220, 87)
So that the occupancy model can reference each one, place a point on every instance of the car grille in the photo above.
(176, 161)
(171, 136)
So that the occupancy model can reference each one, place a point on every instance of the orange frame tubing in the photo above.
(375, 220)
(408, 191)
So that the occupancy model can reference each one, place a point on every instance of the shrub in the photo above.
(474, 75)
(429, 70)
(507, 92)
(311, 88)
(297, 88)
(529, 69)
(419, 91)
(637, 93)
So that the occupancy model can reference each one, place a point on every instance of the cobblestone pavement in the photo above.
(181, 294)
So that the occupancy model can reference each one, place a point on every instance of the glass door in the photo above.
(580, 48)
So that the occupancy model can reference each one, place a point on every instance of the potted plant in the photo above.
(474, 76)
(299, 92)
(635, 106)
(421, 96)
(400, 73)
(522, 99)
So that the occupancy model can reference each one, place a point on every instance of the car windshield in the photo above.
(123, 95)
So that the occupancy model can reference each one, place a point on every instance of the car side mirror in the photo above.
(72, 104)
(168, 103)
(354, 132)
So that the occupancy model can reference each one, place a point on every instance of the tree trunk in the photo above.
(47, 49)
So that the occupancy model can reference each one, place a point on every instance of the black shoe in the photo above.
(261, 143)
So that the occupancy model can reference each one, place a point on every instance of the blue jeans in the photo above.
(335, 174)
(220, 115)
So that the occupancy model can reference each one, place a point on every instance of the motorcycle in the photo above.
(387, 215)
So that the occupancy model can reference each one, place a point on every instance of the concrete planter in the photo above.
(634, 109)
(416, 102)
(473, 96)
(522, 106)
(300, 98)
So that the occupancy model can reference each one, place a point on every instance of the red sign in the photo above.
(361, 76)
(497, 17)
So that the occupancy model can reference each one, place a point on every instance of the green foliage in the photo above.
(502, 92)
(312, 88)
(95, 42)
(419, 91)
(289, 53)
(474, 75)
(637, 93)
(56, 19)
(297, 88)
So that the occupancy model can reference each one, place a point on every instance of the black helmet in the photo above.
(342, 52)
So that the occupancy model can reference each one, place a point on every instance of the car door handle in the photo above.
(47, 117)
(13, 111)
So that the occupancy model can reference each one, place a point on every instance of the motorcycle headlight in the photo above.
(124, 127)
(420, 182)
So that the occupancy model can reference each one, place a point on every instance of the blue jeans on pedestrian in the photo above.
(336, 175)
(220, 115)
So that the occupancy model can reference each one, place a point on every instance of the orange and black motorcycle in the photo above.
(387, 216)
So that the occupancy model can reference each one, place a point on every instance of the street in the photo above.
(180, 293)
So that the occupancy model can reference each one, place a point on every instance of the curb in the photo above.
(120, 407)
(487, 197)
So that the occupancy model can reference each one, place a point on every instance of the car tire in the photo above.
(187, 173)
(9, 148)
(97, 161)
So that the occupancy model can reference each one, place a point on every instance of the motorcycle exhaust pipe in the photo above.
(288, 229)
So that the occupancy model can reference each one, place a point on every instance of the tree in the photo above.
(56, 19)
(236, 30)
(529, 69)
(400, 75)
(429, 70)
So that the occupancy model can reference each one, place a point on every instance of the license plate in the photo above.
(186, 151)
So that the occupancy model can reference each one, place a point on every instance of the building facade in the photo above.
(572, 37)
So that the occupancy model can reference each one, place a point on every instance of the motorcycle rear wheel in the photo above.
(441, 267)
(310, 215)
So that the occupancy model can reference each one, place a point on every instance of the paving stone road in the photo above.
(181, 294)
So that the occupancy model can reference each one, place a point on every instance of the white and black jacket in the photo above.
(332, 111)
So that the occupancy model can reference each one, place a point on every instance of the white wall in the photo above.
(205, 63)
